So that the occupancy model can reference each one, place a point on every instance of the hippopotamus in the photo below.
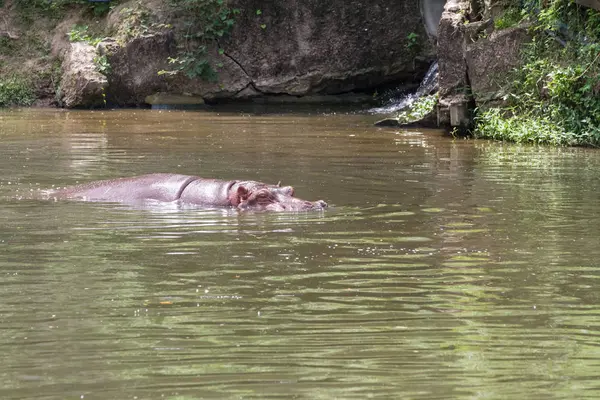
(243, 195)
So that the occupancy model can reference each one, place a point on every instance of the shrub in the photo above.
(79, 33)
(16, 91)
(555, 94)
(511, 17)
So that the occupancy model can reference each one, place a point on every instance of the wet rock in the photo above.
(173, 99)
(346, 98)
(452, 44)
(427, 121)
(82, 86)
(388, 122)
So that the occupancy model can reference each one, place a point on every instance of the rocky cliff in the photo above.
(475, 59)
(294, 48)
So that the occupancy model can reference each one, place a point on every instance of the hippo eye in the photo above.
(263, 196)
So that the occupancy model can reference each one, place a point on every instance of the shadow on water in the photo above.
(445, 268)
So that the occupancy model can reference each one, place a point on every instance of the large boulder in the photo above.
(295, 48)
(134, 66)
(307, 47)
(137, 64)
(82, 86)
(490, 60)
(474, 60)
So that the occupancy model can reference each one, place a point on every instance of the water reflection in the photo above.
(445, 268)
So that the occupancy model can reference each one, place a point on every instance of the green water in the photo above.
(443, 269)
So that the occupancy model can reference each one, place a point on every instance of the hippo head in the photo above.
(257, 196)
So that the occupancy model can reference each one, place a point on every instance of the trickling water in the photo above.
(428, 85)
(430, 82)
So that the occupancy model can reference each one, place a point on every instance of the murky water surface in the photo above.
(444, 268)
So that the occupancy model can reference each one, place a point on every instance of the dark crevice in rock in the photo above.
(251, 86)
(238, 64)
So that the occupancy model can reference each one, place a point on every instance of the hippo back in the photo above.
(161, 187)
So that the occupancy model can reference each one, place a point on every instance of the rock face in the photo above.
(82, 85)
(451, 48)
(489, 60)
(474, 60)
(334, 46)
(295, 48)
(452, 79)
(134, 66)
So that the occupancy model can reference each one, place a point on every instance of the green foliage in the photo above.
(137, 21)
(511, 17)
(193, 65)
(206, 21)
(412, 41)
(16, 91)
(521, 128)
(418, 110)
(102, 64)
(555, 96)
(99, 9)
(79, 33)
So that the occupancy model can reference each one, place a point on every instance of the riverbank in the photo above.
(507, 71)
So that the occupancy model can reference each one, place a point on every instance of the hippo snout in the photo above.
(284, 204)
(321, 203)
(307, 205)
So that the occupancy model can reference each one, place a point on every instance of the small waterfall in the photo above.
(428, 85)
